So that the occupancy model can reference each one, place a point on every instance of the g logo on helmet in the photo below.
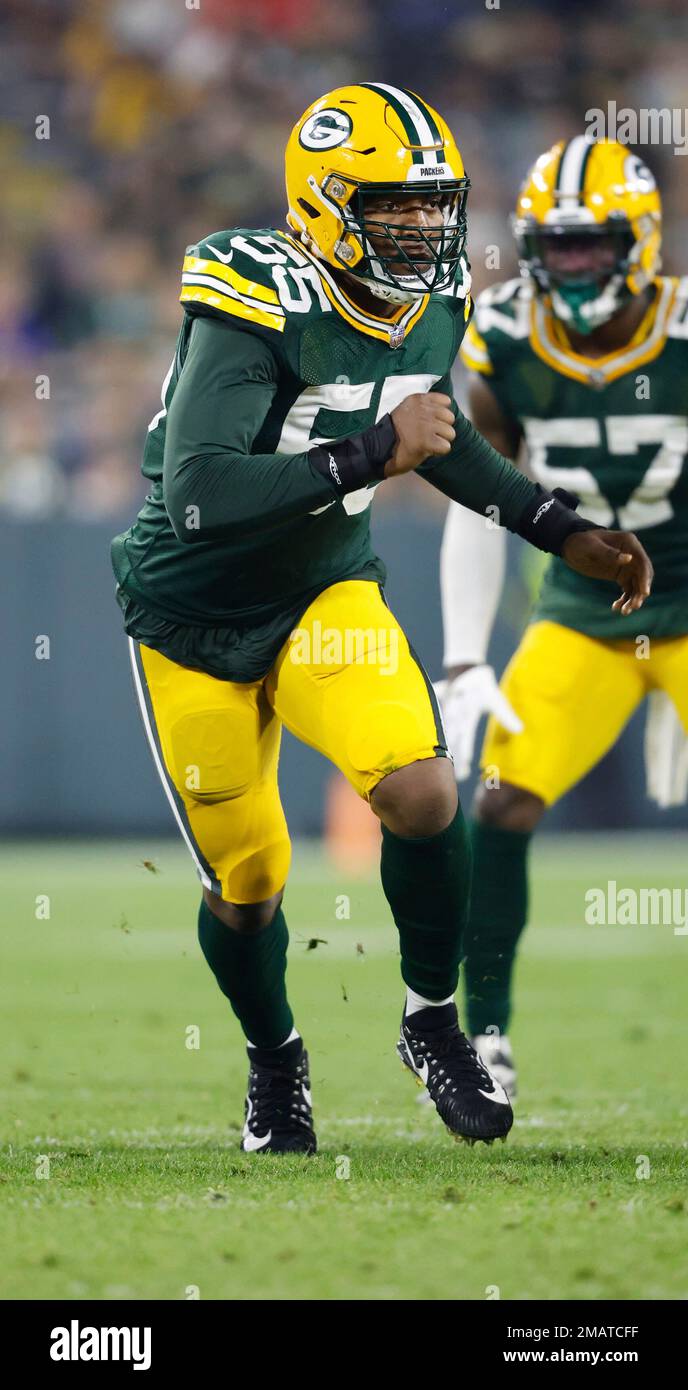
(636, 171)
(326, 129)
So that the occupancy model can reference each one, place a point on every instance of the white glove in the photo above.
(463, 701)
(666, 752)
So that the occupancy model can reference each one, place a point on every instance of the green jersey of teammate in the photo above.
(239, 531)
(612, 430)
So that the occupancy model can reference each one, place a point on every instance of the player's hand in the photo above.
(616, 555)
(464, 699)
(424, 427)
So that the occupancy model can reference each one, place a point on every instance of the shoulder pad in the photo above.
(503, 291)
(502, 314)
(508, 303)
(503, 311)
(474, 352)
(231, 275)
(459, 289)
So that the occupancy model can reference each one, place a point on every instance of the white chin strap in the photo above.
(396, 294)
(407, 288)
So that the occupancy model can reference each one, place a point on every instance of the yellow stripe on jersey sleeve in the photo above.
(198, 265)
(221, 287)
(474, 353)
(198, 294)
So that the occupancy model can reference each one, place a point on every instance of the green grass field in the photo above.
(121, 1176)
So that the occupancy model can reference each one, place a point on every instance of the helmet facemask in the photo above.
(401, 261)
(584, 268)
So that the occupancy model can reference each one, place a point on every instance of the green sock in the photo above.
(426, 882)
(498, 913)
(250, 969)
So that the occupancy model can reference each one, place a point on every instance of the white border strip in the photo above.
(425, 135)
(569, 192)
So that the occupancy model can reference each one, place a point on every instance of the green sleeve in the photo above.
(213, 485)
(476, 475)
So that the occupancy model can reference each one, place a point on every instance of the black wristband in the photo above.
(550, 518)
(354, 462)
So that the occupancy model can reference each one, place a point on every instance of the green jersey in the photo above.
(613, 430)
(240, 531)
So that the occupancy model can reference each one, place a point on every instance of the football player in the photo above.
(312, 363)
(583, 362)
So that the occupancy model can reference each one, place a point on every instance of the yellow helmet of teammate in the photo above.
(588, 227)
(363, 142)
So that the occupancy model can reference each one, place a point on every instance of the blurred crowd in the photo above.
(129, 128)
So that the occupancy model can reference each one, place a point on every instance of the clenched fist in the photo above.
(424, 427)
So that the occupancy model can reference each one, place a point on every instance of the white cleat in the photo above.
(495, 1051)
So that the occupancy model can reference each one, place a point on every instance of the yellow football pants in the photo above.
(345, 682)
(574, 695)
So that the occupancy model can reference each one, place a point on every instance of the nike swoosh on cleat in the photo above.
(249, 1140)
(255, 1141)
(419, 1069)
(498, 1099)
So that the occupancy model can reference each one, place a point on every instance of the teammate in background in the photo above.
(312, 363)
(584, 363)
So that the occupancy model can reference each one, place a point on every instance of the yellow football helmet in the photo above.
(594, 194)
(363, 142)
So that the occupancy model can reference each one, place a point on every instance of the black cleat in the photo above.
(278, 1110)
(495, 1051)
(467, 1097)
